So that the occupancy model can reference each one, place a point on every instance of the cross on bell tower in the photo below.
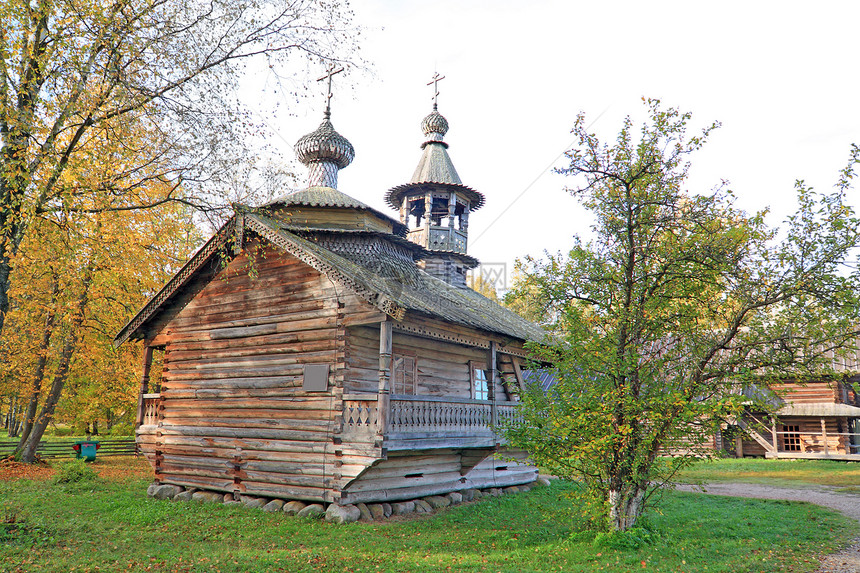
(435, 83)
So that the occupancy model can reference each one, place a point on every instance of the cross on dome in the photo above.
(435, 83)
(325, 151)
(328, 75)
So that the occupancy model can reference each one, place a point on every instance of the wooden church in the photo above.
(317, 349)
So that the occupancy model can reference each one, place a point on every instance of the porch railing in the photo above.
(150, 409)
(823, 442)
(427, 416)
(802, 442)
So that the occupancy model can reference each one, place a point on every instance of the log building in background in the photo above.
(317, 349)
(814, 419)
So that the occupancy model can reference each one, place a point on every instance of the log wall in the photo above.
(813, 442)
(233, 414)
(811, 435)
(815, 392)
(442, 367)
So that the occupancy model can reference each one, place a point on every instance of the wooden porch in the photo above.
(425, 422)
(800, 438)
(410, 422)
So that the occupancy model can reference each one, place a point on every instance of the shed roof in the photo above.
(820, 410)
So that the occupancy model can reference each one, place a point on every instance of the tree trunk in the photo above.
(39, 371)
(12, 419)
(625, 508)
(5, 268)
(28, 451)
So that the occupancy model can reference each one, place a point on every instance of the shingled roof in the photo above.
(421, 293)
(330, 197)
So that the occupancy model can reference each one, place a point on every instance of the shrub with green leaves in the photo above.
(74, 471)
(122, 430)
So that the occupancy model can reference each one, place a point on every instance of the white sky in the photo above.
(780, 76)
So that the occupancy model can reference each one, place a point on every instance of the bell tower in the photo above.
(435, 205)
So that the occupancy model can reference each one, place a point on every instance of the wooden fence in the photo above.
(63, 448)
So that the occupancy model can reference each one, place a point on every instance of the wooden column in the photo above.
(428, 210)
(382, 405)
(452, 206)
(824, 437)
(239, 237)
(144, 381)
(404, 210)
(491, 383)
(773, 434)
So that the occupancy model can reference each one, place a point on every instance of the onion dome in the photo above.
(324, 152)
(434, 126)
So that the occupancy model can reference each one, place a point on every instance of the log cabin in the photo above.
(814, 419)
(317, 349)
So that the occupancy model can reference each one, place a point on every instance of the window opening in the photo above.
(404, 373)
(480, 386)
(791, 438)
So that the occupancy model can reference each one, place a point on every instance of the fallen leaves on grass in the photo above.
(11, 470)
(114, 468)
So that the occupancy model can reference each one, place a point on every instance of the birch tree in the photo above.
(77, 74)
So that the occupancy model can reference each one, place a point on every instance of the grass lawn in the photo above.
(788, 473)
(110, 525)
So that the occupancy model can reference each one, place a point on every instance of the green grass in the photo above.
(789, 473)
(110, 525)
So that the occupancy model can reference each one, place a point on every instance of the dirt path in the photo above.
(845, 561)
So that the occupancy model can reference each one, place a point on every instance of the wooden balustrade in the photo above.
(360, 416)
(424, 417)
(150, 409)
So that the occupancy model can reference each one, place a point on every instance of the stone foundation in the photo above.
(335, 512)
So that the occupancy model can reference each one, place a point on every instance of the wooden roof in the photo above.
(394, 295)
(819, 410)
(330, 197)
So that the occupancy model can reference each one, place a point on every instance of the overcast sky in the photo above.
(780, 76)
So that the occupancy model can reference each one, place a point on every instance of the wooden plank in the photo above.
(260, 433)
(252, 342)
(395, 443)
(284, 424)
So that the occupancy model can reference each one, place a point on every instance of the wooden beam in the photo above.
(824, 437)
(773, 434)
(518, 373)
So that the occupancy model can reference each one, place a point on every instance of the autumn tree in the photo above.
(82, 270)
(482, 285)
(676, 302)
(75, 75)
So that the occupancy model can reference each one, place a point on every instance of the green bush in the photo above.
(633, 538)
(60, 431)
(122, 430)
(74, 471)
